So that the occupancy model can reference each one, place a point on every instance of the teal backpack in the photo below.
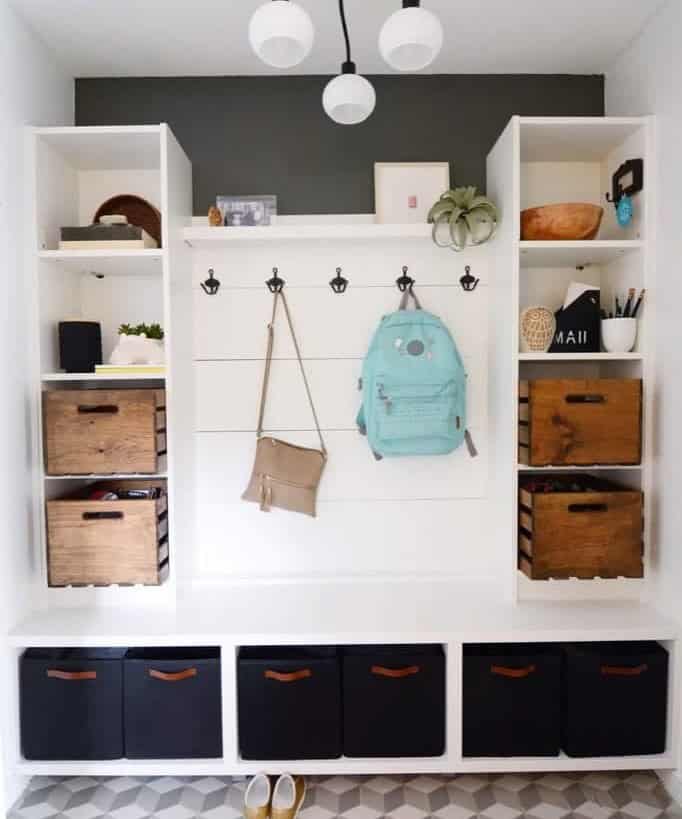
(413, 387)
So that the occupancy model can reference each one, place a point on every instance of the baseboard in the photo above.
(673, 784)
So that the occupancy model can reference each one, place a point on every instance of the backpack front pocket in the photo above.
(408, 412)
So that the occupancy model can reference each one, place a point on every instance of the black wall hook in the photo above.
(631, 172)
(468, 281)
(404, 281)
(275, 284)
(338, 284)
(211, 285)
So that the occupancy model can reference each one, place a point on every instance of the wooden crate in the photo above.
(580, 422)
(597, 533)
(104, 431)
(92, 542)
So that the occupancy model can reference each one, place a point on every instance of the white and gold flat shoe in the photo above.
(258, 797)
(288, 796)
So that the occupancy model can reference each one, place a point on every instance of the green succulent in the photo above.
(149, 330)
(470, 218)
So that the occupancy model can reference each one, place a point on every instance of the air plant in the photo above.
(470, 219)
(149, 330)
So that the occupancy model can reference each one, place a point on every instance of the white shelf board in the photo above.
(574, 139)
(95, 377)
(344, 766)
(575, 253)
(108, 262)
(581, 356)
(118, 476)
(569, 468)
(215, 236)
(338, 612)
(106, 148)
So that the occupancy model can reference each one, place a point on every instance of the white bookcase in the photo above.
(535, 161)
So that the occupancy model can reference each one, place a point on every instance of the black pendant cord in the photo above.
(348, 66)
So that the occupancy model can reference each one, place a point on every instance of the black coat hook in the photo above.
(338, 284)
(404, 281)
(468, 281)
(211, 285)
(275, 284)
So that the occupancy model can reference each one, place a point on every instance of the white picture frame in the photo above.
(404, 192)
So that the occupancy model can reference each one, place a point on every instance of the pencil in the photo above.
(628, 303)
(637, 304)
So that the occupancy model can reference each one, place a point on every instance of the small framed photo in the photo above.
(247, 211)
(404, 192)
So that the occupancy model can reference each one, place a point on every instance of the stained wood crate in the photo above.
(103, 543)
(580, 422)
(104, 431)
(596, 533)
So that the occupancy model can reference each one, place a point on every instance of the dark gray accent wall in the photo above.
(256, 135)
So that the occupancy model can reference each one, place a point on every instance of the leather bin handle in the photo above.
(97, 409)
(624, 671)
(293, 676)
(588, 507)
(512, 673)
(55, 674)
(395, 673)
(172, 676)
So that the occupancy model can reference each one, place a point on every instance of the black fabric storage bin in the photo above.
(393, 701)
(172, 703)
(289, 703)
(511, 700)
(615, 699)
(71, 703)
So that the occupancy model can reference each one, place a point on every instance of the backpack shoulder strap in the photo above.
(406, 296)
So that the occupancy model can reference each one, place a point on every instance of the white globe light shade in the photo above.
(411, 39)
(349, 99)
(281, 33)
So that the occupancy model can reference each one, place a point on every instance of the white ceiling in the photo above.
(109, 38)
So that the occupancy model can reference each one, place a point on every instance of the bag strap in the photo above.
(268, 363)
(406, 295)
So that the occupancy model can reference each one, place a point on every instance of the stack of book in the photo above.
(130, 369)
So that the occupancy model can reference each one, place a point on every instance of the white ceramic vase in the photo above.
(138, 350)
(618, 335)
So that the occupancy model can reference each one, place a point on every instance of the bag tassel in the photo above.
(265, 497)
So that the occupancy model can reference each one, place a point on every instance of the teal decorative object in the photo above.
(624, 210)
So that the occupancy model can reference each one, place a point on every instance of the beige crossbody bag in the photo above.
(285, 475)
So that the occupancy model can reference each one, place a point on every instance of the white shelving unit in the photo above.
(76, 169)
(540, 161)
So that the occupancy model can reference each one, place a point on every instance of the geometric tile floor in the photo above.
(490, 796)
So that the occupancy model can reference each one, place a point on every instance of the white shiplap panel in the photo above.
(314, 263)
(224, 461)
(227, 394)
(232, 324)
(347, 539)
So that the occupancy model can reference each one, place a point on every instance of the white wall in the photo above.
(34, 91)
(645, 80)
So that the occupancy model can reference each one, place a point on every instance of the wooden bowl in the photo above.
(572, 221)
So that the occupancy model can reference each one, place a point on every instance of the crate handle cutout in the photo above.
(294, 676)
(587, 398)
(97, 409)
(54, 674)
(172, 676)
(103, 515)
(513, 673)
(624, 671)
(395, 673)
(588, 507)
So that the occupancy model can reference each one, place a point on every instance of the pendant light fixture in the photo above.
(349, 98)
(411, 38)
(281, 33)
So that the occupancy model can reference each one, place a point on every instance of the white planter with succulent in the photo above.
(139, 344)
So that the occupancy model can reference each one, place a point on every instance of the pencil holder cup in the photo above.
(618, 335)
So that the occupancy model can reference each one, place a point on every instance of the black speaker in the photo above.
(80, 346)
